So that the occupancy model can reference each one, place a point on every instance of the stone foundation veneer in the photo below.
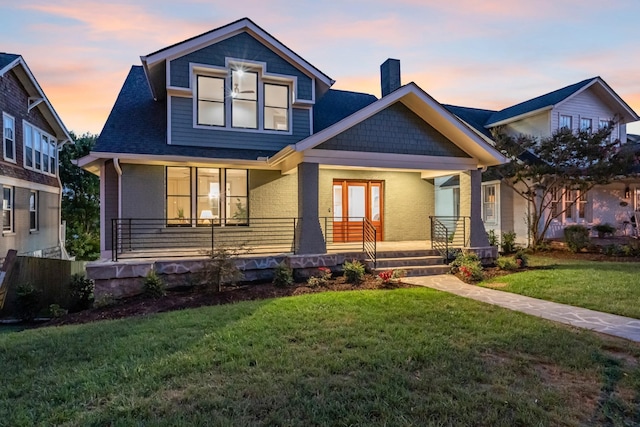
(126, 278)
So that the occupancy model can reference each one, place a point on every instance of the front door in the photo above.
(352, 202)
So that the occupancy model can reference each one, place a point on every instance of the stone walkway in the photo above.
(610, 324)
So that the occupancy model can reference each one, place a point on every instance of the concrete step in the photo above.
(407, 253)
(402, 262)
(421, 270)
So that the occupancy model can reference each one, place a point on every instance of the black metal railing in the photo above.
(148, 238)
(356, 234)
(449, 233)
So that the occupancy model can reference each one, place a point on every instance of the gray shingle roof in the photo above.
(7, 58)
(138, 125)
(475, 117)
(335, 105)
(546, 100)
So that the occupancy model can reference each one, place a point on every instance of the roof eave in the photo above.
(518, 117)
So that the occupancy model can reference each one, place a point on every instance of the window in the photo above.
(586, 125)
(556, 203)
(9, 125)
(210, 101)
(33, 210)
(276, 107)
(40, 150)
(456, 202)
(489, 214)
(7, 209)
(244, 96)
(221, 196)
(565, 122)
(604, 124)
(178, 195)
(572, 204)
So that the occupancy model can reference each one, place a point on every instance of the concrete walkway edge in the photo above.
(611, 324)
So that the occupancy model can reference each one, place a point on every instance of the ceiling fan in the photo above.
(236, 91)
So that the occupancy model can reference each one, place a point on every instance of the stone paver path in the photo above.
(606, 323)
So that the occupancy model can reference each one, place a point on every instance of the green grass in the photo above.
(612, 287)
(401, 357)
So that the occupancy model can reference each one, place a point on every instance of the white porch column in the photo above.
(470, 205)
(309, 238)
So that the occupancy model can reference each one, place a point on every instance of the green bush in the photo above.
(56, 311)
(28, 300)
(492, 237)
(81, 290)
(508, 242)
(283, 275)
(320, 280)
(604, 229)
(576, 237)
(468, 266)
(522, 258)
(153, 285)
(106, 300)
(507, 263)
(353, 271)
(220, 268)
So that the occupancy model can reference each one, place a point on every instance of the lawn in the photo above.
(398, 357)
(612, 287)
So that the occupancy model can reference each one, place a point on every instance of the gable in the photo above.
(240, 46)
(394, 130)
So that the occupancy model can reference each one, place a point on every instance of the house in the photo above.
(32, 135)
(587, 104)
(231, 137)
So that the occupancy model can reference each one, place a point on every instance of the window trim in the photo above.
(565, 198)
(11, 209)
(265, 106)
(583, 121)
(52, 147)
(35, 210)
(4, 138)
(561, 126)
(495, 203)
(197, 98)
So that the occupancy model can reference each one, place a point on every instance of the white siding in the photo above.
(536, 126)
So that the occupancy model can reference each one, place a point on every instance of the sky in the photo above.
(484, 54)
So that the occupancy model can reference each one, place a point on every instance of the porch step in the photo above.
(414, 262)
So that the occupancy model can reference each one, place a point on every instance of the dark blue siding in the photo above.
(183, 132)
(241, 46)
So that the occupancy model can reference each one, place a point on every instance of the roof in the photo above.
(633, 139)
(544, 101)
(475, 117)
(6, 59)
(335, 105)
(138, 125)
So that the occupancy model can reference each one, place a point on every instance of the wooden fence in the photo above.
(50, 276)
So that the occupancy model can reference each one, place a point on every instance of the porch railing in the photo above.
(449, 233)
(153, 238)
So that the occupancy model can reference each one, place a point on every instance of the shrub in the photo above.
(468, 266)
(507, 263)
(604, 229)
(492, 237)
(576, 237)
(56, 311)
(81, 289)
(353, 271)
(28, 300)
(220, 268)
(154, 287)
(508, 242)
(106, 300)
(322, 279)
(283, 275)
(522, 258)
(390, 277)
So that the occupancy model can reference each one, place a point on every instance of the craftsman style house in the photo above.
(231, 135)
(32, 134)
(584, 105)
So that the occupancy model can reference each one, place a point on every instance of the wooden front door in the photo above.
(352, 202)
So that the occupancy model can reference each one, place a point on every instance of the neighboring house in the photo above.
(32, 135)
(231, 128)
(588, 104)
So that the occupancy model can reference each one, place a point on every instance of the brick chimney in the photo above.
(390, 76)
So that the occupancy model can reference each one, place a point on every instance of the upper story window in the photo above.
(586, 125)
(244, 98)
(566, 122)
(40, 150)
(9, 126)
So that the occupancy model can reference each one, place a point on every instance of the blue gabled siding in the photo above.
(241, 46)
(183, 132)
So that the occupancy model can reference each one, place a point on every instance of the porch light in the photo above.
(627, 192)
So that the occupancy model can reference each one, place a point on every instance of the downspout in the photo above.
(116, 166)
(61, 236)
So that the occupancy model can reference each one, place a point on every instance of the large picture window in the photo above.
(9, 126)
(276, 107)
(179, 195)
(244, 95)
(210, 101)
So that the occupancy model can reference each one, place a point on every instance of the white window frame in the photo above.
(10, 209)
(485, 218)
(565, 196)
(570, 119)
(262, 78)
(5, 118)
(47, 143)
(34, 210)
(586, 124)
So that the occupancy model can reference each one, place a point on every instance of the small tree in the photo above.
(544, 171)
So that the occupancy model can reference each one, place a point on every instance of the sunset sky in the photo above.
(484, 54)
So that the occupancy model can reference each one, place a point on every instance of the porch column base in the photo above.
(309, 238)
(487, 254)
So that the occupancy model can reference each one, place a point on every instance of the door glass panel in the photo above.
(337, 202)
(356, 202)
(375, 203)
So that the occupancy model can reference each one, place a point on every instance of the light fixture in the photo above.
(627, 192)
(207, 215)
